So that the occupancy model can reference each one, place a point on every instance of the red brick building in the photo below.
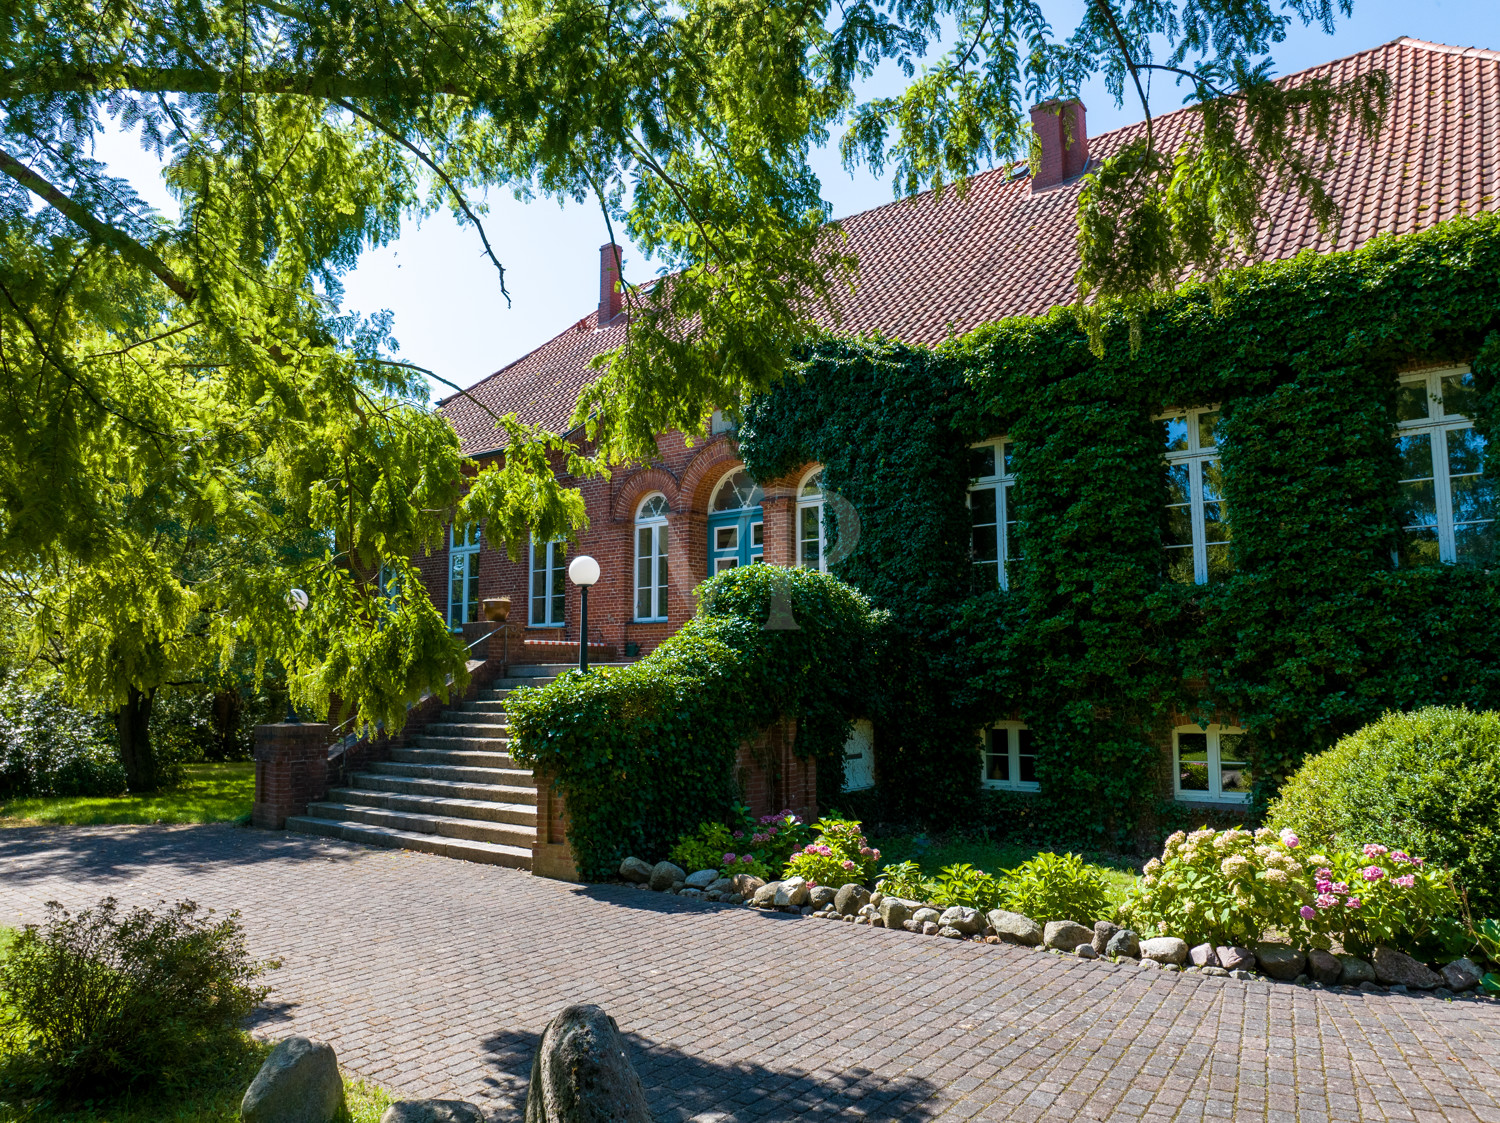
(929, 268)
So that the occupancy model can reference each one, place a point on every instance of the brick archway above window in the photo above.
(713, 462)
(640, 485)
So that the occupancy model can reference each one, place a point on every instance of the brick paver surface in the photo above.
(436, 977)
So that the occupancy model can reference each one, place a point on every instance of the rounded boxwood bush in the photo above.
(1427, 782)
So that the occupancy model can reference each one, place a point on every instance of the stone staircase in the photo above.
(455, 791)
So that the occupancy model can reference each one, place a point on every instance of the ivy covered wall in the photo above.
(1317, 630)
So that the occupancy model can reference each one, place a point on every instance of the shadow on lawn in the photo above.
(120, 853)
(681, 1087)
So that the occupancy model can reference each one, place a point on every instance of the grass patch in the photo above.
(214, 1097)
(211, 793)
(932, 854)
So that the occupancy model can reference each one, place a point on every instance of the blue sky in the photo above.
(450, 317)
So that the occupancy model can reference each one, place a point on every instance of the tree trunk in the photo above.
(133, 722)
(226, 721)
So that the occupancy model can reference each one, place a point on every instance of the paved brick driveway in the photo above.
(436, 977)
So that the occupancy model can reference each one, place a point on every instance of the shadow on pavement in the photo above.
(115, 853)
(680, 1087)
(631, 897)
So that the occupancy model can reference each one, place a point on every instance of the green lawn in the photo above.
(932, 854)
(211, 793)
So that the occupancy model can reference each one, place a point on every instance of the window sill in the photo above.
(547, 626)
(1204, 797)
(1007, 786)
(649, 620)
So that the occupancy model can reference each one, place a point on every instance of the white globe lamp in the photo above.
(584, 571)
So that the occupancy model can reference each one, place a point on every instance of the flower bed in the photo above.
(1231, 903)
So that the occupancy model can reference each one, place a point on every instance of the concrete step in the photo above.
(490, 717)
(446, 789)
(472, 830)
(471, 758)
(471, 730)
(520, 814)
(462, 744)
(490, 853)
(459, 772)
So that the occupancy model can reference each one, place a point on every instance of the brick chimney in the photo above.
(610, 298)
(1064, 137)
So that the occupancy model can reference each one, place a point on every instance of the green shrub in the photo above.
(99, 1002)
(1057, 887)
(704, 850)
(48, 747)
(1426, 782)
(645, 753)
(963, 884)
(1375, 896)
(836, 857)
(904, 880)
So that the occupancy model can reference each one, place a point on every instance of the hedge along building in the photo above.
(1153, 576)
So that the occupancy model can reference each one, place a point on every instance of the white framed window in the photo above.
(463, 575)
(549, 573)
(651, 558)
(1197, 520)
(736, 527)
(1010, 757)
(1449, 502)
(812, 541)
(994, 545)
(1209, 765)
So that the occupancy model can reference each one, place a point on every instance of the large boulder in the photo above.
(1065, 935)
(1014, 928)
(746, 884)
(821, 896)
(1125, 943)
(1236, 958)
(1462, 974)
(299, 1083)
(926, 915)
(1355, 971)
(432, 1111)
(894, 911)
(701, 879)
(722, 885)
(664, 875)
(1396, 968)
(968, 921)
(633, 869)
(851, 898)
(765, 896)
(1165, 949)
(1324, 967)
(792, 893)
(1104, 931)
(1203, 955)
(581, 1074)
(1280, 961)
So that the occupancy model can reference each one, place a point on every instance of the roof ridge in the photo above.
(1442, 48)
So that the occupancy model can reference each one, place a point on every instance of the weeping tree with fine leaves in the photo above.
(170, 382)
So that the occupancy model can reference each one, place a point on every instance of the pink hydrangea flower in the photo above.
(739, 834)
(1416, 861)
(1326, 900)
(1323, 885)
(1406, 882)
(1352, 902)
(1325, 872)
(1308, 912)
(1400, 856)
(729, 858)
(1374, 850)
(1340, 887)
(1372, 873)
(847, 864)
(1289, 839)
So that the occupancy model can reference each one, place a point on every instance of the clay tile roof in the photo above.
(933, 267)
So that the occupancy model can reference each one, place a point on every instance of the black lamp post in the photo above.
(296, 600)
(584, 571)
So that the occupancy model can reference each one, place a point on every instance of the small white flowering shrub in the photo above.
(840, 854)
(1230, 887)
(1222, 887)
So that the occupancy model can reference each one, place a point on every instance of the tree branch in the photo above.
(194, 80)
(125, 245)
(1103, 7)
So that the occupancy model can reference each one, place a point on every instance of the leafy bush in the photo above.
(646, 752)
(905, 880)
(705, 850)
(837, 856)
(963, 884)
(48, 747)
(1427, 782)
(1375, 896)
(100, 1001)
(1224, 887)
(1057, 887)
